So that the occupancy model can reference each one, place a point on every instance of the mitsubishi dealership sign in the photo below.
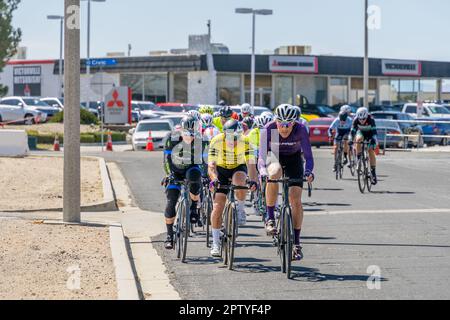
(118, 106)
(294, 64)
(401, 68)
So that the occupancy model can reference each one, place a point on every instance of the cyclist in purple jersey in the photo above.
(282, 143)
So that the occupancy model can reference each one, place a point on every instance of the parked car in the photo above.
(447, 106)
(59, 103)
(429, 110)
(32, 103)
(148, 110)
(320, 110)
(158, 128)
(436, 127)
(318, 131)
(20, 113)
(96, 105)
(175, 118)
(385, 128)
(386, 108)
(177, 107)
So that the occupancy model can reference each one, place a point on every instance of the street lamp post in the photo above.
(61, 18)
(263, 12)
(88, 68)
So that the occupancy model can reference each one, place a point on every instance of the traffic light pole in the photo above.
(72, 179)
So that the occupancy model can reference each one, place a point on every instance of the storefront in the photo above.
(279, 79)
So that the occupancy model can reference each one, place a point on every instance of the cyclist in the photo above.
(286, 139)
(342, 125)
(225, 114)
(230, 158)
(183, 152)
(254, 134)
(246, 111)
(206, 109)
(209, 130)
(248, 124)
(364, 129)
(300, 119)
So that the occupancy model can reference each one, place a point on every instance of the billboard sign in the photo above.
(27, 81)
(118, 106)
(294, 64)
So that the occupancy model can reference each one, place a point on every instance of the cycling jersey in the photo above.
(230, 157)
(210, 132)
(295, 143)
(217, 121)
(179, 156)
(368, 129)
(342, 127)
(305, 123)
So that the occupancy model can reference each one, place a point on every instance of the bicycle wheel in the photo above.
(361, 176)
(368, 178)
(281, 240)
(209, 206)
(232, 236)
(289, 239)
(179, 230)
(352, 167)
(224, 247)
(309, 190)
(186, 229)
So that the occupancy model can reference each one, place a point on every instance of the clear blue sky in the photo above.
(411, 29)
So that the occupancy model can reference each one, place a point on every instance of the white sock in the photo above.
(216, 236)
(241, 207)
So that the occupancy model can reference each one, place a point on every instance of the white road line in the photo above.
(393, 211)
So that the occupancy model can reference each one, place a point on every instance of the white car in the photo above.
(20, 114)
(175, 117)
(429, 110)
(159, 129)
(32, 103)
(148, 110)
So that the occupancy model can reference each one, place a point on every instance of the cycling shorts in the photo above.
(226, 175)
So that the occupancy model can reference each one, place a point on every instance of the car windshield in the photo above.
(35, 103)
(153, 126)
(316, 122)
(149, 106)
(325, 109)
(439, 109)
(386, 124)
(173, 109)
(175, 120)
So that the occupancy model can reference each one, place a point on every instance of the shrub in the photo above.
(85, 117)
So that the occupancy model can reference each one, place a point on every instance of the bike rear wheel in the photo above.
(179, 229)
(224, 247)
(281, 240)
(361, 176)
(288, 238)
(232, 236)
(186, 229)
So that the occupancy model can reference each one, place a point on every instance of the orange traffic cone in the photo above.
(56, 144)
(150, 146)
(109, 144)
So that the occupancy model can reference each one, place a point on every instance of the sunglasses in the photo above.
(187, 133)
(284, 124)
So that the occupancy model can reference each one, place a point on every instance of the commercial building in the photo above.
(279, 78)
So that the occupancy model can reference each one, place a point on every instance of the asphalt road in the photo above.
(401, 229)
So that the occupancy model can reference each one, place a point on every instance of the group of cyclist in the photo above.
(227, 148)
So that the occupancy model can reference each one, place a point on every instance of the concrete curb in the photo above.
(126, 283)
(108, 203)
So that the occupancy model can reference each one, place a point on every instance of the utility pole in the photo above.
(72, 190)
(366, 54)
(129, 49)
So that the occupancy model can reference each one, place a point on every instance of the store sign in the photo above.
(401, 68)
(27, 81)
(294, 64)
(118, 106)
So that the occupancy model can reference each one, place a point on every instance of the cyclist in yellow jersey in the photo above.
(230, 158)
(225, 114)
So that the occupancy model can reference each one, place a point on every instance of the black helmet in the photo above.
(233, 126)
(226, 112)
(189, 123)
(222, 103)
(249, 121)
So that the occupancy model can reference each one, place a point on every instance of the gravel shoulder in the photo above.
(41, 261)
(34, 183)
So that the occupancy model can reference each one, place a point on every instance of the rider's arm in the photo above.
(212, 160)
(374, 127)
(354, 127)
(250, 159)
(168, 155)
(263, 150)
(332, 127)
(307, 151)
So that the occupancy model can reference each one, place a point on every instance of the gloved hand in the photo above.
(309, 177)
(167, 180)
(253, 185)
(213, 184)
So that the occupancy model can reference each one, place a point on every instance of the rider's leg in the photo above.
(359, 139)
(216, 216)
(295, 199)
(194, 176)
(239, 179)
(172, 194)
(275, 172)
(373, 165)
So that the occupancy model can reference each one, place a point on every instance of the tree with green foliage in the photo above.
(9, 37)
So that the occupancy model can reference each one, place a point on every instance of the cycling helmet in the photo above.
(195, 114)
(206, 110)
(298, 110)
(207, 119)
(249, 122)
(262, 120)
(286, 113)
(233, 126)
(222, 103)
(246, 108)
(346, 109)
(226, 112)
(189, 123)
(362, 113)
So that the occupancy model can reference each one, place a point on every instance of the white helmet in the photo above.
(298, 110)
(263, 120)
(286, 113)
(207, 119)
(267, 114)
(247, 108)
(195, 114)
(346, 109)
(362, 113)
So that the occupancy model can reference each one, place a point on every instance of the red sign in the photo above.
(115, 101)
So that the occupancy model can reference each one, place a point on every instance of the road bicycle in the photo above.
(183, 224)
(363, 169)
(205, 210)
